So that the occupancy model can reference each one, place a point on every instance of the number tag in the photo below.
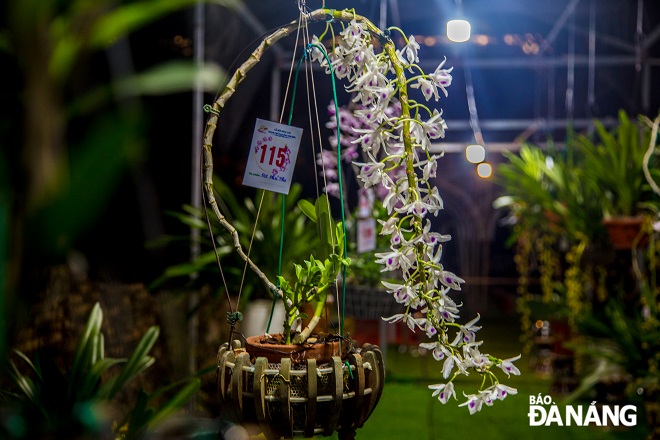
(366, 240)
(272, 156)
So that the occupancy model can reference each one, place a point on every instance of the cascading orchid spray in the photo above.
(395, 135)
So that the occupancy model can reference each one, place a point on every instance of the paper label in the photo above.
(366, 240)
(272, 157)
(365, 203)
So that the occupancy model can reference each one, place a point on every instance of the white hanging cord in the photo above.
(254, 232)
(318, 125)
(302, 6)
(302, 20)
(309, 72)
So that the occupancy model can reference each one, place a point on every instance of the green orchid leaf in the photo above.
(299, 270)
(308, 209)
(86, 346)
(23, 382)
(139, 417)
(192, 220)
(175, 403)
(29, 362)
(136, 364)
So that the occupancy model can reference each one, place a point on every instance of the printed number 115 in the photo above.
(281, 156)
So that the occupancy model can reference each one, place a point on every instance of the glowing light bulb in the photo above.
(458, 31)
(475, 153)
(484, 170)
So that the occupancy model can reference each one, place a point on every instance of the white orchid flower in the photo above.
(443, 391)
(507, 366)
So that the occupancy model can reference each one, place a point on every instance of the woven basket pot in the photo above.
(293, 395)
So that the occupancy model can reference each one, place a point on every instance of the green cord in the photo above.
(341, 189)
(350, 371)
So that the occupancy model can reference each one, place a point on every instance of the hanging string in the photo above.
(301, 20)
(341, 189)
(249, 250)
(323, 174)
(311, 85)
(309, 80)
(236, 316)
(233, 316)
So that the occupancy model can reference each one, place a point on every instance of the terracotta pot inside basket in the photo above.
(319, 347)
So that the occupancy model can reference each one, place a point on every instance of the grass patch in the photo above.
(407, 410)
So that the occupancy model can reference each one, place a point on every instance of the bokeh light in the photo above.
(458, 31)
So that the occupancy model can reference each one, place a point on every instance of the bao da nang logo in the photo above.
(544, 412)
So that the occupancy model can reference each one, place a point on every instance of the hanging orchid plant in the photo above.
(396, 146)
(399, 163)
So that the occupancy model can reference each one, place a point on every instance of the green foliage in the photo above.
(540, 186)
(613, 165)
(51, 44)
(258, 220)
(525, 183)
(144, 419)
(365, 271)
(314, 277)
(593, 178)
(50, 401)
(80, 25)
(620, 341)
(108, 148)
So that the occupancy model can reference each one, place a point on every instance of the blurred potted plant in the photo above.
(621, 338)
(48, 44)
(414, 252)
(555, 219)
(535, 216)
(63, 160)
(614, 168)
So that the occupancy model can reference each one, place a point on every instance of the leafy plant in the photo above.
(47, 400)
(527, 190)
(621, 342)
(144, 419)
(547, 191)
(86, 128)
(258, 221)
(613, 165)
(316, 275)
